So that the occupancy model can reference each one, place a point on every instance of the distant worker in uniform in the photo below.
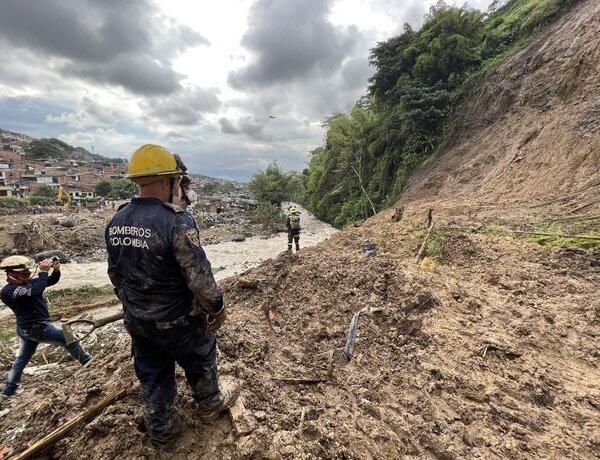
(292, 222)
(187, 196)
(172, 303)
(24, 296)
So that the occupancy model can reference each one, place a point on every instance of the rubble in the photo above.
(456, 365)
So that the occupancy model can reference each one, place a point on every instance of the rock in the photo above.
(242, 420)
(247, 282)
(48, 254)
(67, 222)
(238, 238)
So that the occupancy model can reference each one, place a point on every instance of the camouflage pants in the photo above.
(155, 354)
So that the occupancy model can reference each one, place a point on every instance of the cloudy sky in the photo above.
(201, 78)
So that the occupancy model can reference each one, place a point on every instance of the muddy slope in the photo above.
(494, 354)
(529, 139)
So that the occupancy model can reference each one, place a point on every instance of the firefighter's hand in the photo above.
(45, 265)
(216, 321)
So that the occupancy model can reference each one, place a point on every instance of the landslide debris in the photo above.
(494, 353)
(528, 141)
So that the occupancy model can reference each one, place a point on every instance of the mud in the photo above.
(494, 354)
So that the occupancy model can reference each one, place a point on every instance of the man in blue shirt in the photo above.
(24, 296)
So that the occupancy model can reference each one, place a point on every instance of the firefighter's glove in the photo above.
(216, 321)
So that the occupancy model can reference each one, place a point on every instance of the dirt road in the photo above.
(227, 258)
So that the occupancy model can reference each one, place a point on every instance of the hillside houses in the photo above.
(20, 177)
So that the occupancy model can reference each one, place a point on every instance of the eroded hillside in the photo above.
(529, 137)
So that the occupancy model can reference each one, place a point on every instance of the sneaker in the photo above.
(227, 398)
(87, 362)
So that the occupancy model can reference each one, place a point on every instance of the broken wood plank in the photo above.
(62, 431)
(302, 417)
(429, 217)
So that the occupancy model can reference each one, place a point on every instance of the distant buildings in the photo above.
(20, 177)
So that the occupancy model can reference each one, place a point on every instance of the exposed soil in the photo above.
(493, 354)
(489, 349)
(528, 143)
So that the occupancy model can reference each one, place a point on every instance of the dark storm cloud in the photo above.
(290, 39)
(185, 108)
(139, 74)
(129, 44)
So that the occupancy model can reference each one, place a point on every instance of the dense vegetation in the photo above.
(47, 148)
(420, 79)
(272, 186)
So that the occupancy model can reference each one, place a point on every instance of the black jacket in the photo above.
(157, 264)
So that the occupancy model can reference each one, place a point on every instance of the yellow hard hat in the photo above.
(292, 208)
(16, 263)
(150, 161)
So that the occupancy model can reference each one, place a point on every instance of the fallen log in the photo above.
(64, 430)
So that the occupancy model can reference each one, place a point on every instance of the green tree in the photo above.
(46, 148)
(103, 188)
(122, 189)
(45, 191)
(269, 186)
(421, 79)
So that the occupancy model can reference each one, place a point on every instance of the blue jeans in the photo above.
(29, 340)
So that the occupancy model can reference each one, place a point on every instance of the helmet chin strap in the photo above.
(171, 185)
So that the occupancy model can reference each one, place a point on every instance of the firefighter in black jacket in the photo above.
(172, 303)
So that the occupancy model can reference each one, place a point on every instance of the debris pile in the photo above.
(494, 351)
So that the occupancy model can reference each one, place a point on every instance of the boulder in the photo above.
(67, 222)
(48, 254)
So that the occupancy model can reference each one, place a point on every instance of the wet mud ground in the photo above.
(492, 354)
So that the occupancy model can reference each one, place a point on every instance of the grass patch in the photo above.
(559, 236)
(436, 245)
(71, 301)
(495, 230)
(562, 242)
(6, 335)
